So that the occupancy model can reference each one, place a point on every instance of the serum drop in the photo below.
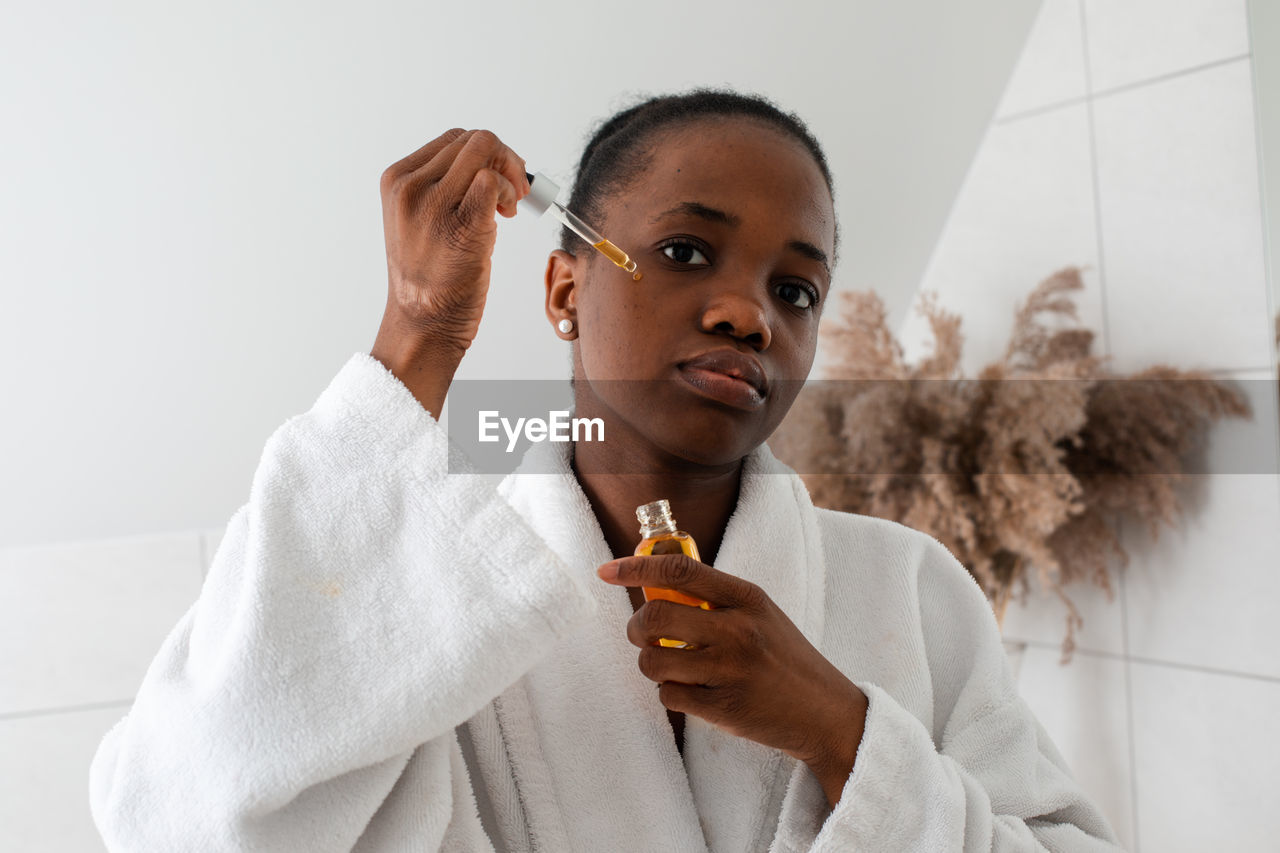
(659, 535)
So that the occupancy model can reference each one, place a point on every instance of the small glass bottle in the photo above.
(659, 536)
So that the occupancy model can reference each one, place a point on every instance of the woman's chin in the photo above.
(676, 428)
(719, 451)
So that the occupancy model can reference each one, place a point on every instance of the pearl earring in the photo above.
(565, 326)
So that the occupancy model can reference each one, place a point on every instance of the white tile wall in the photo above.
(1182, 222)
(1026, 210)
(1206, 760)
(1209, 594)
(44, 786)
(1051, 68)
(1166, 713)
(1134, 40)
(1084, 709)
(1042, 618)
(79, 624)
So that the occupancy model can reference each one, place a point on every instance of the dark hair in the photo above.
(621, 146)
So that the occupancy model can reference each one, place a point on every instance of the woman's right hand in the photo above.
(438, 207)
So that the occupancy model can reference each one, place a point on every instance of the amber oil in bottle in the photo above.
(659, 535)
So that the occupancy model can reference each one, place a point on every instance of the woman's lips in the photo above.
(724, 388)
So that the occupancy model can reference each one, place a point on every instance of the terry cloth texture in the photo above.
(389, 657)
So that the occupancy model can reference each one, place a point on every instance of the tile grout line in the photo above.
(1167, 664)
(69, 709)
(1270, 281)
(1128, 696)
(1038, 111)
(1227, 371)
(1093, 171)
(1116, 90)
(1106, 344)
(1204, 670)
(1172, 75)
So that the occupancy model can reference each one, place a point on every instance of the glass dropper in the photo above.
(542, 198)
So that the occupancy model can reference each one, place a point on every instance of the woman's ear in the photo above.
(562, 286)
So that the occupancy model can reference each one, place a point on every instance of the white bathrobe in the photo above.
(389, 657)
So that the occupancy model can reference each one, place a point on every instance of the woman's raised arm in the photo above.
(363, 603)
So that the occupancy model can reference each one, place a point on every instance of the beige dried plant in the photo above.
(1030, 464)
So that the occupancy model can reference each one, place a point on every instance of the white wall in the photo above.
(1126, 141)
(190, 226)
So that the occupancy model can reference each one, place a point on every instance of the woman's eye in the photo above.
(684, 253)
(798, 295)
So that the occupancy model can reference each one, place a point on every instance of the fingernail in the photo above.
(609, 571)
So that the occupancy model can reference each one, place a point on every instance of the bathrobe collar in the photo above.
(585, 726)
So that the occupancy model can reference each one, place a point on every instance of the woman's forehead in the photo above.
(746, 148)
(739, 168)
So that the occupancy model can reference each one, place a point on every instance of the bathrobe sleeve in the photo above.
(362, 604)
(987, 777)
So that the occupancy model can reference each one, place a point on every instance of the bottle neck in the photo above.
(655, 519)
(648, 531)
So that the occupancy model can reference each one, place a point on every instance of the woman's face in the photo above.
(733, 229)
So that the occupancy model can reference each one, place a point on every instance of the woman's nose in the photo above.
(737, 312)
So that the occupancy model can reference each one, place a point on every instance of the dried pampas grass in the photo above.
(1031, 464)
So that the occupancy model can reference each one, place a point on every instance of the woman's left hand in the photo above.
(753, 673)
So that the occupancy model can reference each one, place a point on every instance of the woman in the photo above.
(389, 657)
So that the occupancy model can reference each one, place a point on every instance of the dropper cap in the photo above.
(542, 193)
